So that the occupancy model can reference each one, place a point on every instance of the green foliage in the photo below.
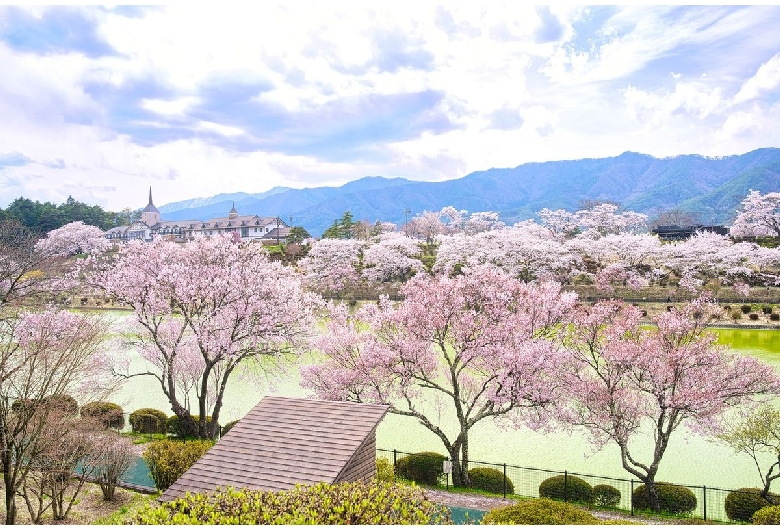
(672, 498)
(774, 317)
(742, 504)
(767, 309)
(568, 488)
(148, 421)
(46, 216)
(753, 316)
(606, 495)
(343, 228)
(169, 459)
(297, 234)
(229, 425)
(422, 468)
(489, 479)
(109, 413)
(175, 426)
(384, 470)
(348, 503)
(736, 315)
(539, 511)
(767, 515)
(745, 308)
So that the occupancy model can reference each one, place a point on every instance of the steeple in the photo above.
(150, 215)
(233, 213)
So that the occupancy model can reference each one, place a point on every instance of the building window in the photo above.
(244, 232)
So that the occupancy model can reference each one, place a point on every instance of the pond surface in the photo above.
(690, 458)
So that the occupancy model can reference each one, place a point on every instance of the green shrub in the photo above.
(169, 459)
(489, 479)
(422, 468)
(566, 488)
(148, 421)
(774, 317)
(539, 511)
(606, 495)
(743, 503)
(229, 425)
(672, 498)
(745, 308)
(109, 413)
(736, 315)
(753, 316)
(384, 470)
(345, 503)
(767, 515)
(174, 425)
(767, 310)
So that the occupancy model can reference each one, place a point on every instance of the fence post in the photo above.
(705, 502)
(631, 496)
(505, 481)
(565, 486)
(394, 458)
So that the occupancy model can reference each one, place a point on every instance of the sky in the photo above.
(197, 99)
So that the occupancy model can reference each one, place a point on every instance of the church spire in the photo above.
(150, 215)
(233, 213)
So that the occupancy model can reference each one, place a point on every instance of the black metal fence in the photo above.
(525, 481)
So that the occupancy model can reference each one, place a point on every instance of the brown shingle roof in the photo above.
(282, 442)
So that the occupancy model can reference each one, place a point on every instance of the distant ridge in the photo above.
(711, 187)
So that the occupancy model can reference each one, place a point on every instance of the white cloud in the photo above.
(601, 88)
(767, 79)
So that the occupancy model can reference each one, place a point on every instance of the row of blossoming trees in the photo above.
(485, 344)
(598, 246)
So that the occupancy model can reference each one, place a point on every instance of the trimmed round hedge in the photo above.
(174, 425)
(169, 459)
(229, 425)
(489, 479)
(743, 503)
(767, 515)
(149, 421)
(672, 499)
(422, 468)
(566, 488)
(539, 511)
(606, 495)
(109, 413)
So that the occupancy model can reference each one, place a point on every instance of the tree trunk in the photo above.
(651, 490)
(10, 491)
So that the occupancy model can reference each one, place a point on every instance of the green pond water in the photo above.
(690, 458)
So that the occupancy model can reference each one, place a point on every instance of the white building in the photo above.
(241, 227)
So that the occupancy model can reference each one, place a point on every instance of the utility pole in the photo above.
(407, 211)
(278, 223)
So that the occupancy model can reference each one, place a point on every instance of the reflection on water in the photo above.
(690, 459)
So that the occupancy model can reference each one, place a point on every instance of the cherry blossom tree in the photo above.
(73, 238)
(478, 344)
(603, 219)
(622, 380)
(561, 223)
(524, 251)
(332, 264)
(202, 309)
(426, 225)
(394, 257)
(44, 355)
(759, 216)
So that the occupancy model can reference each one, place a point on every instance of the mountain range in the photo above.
(711, 188)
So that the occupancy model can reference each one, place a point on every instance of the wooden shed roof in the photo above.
(282, 442)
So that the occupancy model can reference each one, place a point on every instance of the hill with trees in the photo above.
(710, 189)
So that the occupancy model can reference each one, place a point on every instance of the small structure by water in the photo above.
(284, 441)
